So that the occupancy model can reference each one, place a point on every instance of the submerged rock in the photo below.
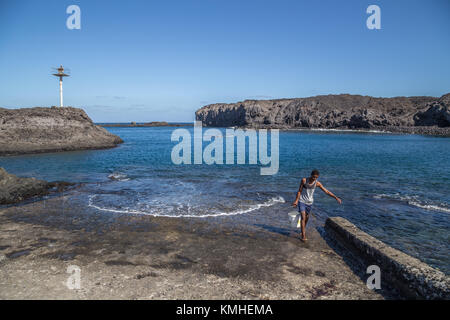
(14, 189)
(37, 130)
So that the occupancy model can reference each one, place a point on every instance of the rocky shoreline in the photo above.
(414, 115)
(421, 130)
(40, 130)
(14, 189)
(145, 257)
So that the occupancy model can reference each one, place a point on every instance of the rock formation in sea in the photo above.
(14, 189)
(37, 130)
(427, 115)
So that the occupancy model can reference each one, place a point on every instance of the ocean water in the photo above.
(395, 187)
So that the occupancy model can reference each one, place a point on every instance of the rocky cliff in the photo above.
(36, 130)
(334, 111)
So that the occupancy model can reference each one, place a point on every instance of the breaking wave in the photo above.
(416, 202)
(165, 213)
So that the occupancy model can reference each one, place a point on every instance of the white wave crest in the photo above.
(340, 130)
(254, 207)
(414, 201)
(429, 206)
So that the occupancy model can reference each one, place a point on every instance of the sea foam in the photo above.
(416, 202)
(268, 203)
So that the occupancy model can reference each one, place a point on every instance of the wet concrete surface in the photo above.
(145, 257)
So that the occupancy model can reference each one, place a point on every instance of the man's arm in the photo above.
(328, 192)
(299, 192)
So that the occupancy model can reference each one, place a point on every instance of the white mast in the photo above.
(60, 74)
(60, 93)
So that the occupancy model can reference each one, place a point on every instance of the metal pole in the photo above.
(60, 92)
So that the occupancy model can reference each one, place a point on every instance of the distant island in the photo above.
(420, 115)
(147, 124)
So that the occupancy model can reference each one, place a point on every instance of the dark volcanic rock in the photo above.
(438, 113)
(330, 111)
(36, 130)
(14, 189)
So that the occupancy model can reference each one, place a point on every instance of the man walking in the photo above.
(306, 196)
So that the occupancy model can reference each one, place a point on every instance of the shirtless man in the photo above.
(306, 196)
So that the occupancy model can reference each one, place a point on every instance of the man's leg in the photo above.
(307, 211)
(304, 221)
(307, 218)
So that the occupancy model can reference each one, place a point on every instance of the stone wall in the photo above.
(412, 277)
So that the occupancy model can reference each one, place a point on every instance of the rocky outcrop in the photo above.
(437, 113)
(37, 130)
(330, 111)
(14, 189)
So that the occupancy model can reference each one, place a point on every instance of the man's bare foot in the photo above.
(304, 239)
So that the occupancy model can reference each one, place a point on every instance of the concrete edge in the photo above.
(412, 277)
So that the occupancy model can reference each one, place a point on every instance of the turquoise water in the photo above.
(395, 187)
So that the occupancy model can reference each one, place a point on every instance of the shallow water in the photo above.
(395, 187)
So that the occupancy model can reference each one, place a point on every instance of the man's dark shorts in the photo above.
(304, 207)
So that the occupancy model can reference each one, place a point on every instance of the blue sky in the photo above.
(162, 60)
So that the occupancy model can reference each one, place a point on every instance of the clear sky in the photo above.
(161, 60)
